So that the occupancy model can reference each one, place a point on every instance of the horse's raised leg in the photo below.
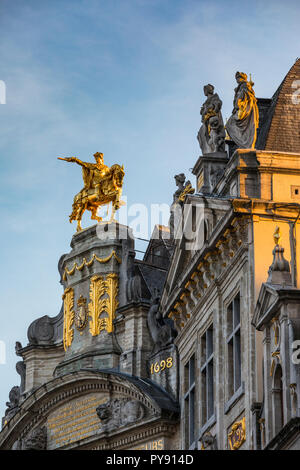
(94, 215)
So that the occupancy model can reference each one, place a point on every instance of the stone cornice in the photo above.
(130, 437)
(286, 434)
(207, 247)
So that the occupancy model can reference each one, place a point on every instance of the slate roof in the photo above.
(280, 119)
(153, 276)
(160, 239)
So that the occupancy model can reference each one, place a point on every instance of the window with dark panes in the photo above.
(189, 401)
(207, 375)
(234, 346)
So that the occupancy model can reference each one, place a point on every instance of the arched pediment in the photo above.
(86, 407)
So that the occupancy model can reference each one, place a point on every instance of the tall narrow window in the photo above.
(189, 401)
(277, 392)
(207, 375)
(234, 346)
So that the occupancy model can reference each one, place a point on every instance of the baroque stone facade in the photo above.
(195, 346)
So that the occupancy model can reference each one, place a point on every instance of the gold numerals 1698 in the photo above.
(160, 366)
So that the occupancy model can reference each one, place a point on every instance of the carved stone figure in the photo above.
(17, 445)
(183, 188)
(119, 412)
(20, 366)
(215, 174)
(102, 185)
(209, 442)
(243, 123)
(14, 397)
(134, 289)
(178, 200)
(132, 411)
(103, 412)
(35, 440)
(179, 180)
(211, 136)
(81, 315)
(161, 329)
(21, 370)
(13, 403)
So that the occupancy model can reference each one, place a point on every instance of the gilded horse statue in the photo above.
(102, 185)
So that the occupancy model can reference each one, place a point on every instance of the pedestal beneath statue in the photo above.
(93, 277)
(208, 170)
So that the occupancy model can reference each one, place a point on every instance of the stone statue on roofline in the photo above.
(211, 136)
(243, 123)
(184, 188)
(161, 329)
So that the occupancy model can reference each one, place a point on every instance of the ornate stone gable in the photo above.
(266, 302)
(208, 266)
(81, 409)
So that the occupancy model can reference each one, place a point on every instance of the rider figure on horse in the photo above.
(100, 187)
(92, 173)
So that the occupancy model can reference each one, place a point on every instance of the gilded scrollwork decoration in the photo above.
(89, 263)
(97, 304)
(69, 314)
(103, 303)
(112, 291)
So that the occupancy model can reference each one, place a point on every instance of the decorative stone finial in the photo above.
(279, 271)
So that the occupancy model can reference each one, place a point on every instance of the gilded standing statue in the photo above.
(102, 185)
(243, 123)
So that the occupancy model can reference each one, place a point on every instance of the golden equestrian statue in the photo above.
(102, 185)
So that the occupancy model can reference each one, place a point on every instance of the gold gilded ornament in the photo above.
(187, 190)
(103, 303)
(102, 185)
(68, 333)
(81, 315)
(96, 305)
(237, 435)
(277, 236)
(243, 123)
(112, 291)
(71, 271)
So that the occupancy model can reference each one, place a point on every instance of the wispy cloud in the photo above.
(122, 77)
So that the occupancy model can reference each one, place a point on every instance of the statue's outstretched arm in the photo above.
(73, 159)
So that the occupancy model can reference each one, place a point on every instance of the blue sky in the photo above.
(123, 77)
